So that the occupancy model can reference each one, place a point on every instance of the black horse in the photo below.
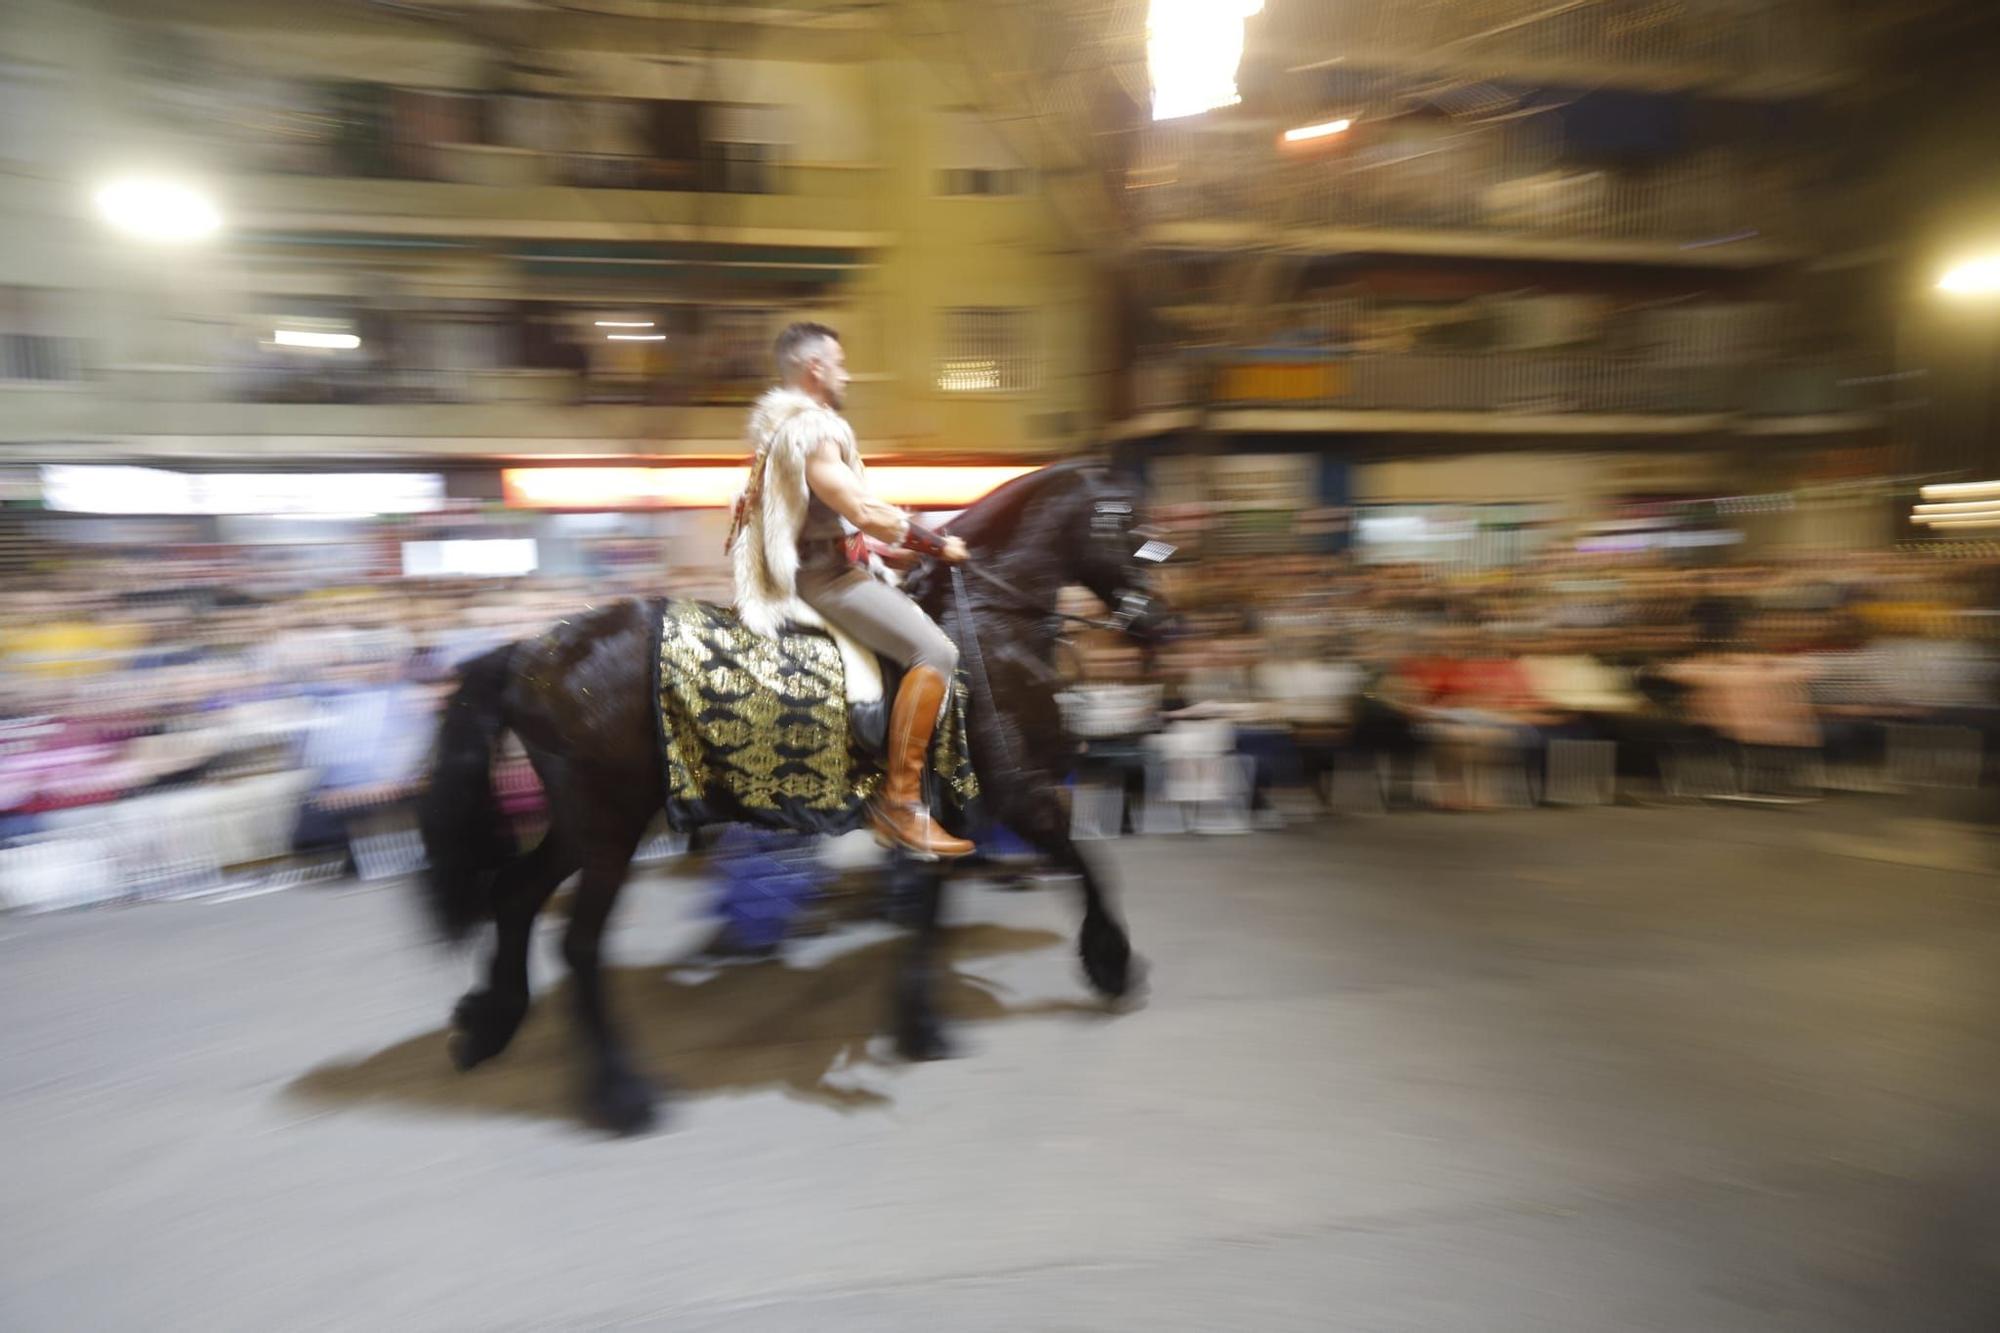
(580, 699)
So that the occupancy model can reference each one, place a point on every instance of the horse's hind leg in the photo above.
(919, 1033)
(487, 1019)
(615, 1095)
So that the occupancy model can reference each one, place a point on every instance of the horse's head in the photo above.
(1109, 552)
(1074, 522)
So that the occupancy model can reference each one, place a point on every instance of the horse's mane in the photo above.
(998, 512)
(1004, 527)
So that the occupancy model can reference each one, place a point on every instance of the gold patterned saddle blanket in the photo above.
(761, 731)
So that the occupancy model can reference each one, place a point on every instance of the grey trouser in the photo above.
(875, 615)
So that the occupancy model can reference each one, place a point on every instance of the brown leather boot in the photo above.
(898, 813)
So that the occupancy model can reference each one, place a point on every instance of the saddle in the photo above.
(786, 733)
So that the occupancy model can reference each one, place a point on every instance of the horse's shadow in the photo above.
(804, 1030)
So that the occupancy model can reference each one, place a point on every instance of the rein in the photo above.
(1025, 602)
(975, 658)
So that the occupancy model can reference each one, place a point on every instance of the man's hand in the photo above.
(896, 557)
(954, 550)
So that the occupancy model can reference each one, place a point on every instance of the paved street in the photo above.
(1622, 1069)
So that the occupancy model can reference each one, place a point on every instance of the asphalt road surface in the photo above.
(1593, 1071)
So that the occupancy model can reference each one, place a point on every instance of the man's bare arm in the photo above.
(835, 483)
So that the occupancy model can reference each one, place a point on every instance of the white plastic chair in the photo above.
(1193, 764)
(1096, 810)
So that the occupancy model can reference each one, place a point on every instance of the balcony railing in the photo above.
(501, 165)
(1689, 204)
(1527, 384)
(336, 385)
(33, 358)
(843, 200)
(1752, 40)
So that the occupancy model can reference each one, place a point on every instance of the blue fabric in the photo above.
(997, 840)
(369, 735)
(764, 879)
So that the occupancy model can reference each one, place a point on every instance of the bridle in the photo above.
(1110, 520)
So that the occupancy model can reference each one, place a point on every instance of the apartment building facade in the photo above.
(1516, 260)
(472, 233)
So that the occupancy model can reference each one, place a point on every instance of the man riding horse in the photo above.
(635, 707)
(794, 563)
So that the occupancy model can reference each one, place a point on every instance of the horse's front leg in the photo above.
(1105, 948)
(918, 889)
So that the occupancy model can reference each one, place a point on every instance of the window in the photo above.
(975, 160)
(986, 350)
(735, 358)
(743, 168)
(32, 342)
(28, 121)
(744, 148)
(982, 181)
(611, 142)
(422, 120)
(597, 143)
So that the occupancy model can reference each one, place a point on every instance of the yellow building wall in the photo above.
(871, 137)
(946, 253)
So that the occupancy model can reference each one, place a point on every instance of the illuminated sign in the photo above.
(87, 489)
(495, 557)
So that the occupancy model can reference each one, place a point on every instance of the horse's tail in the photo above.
(466, 838)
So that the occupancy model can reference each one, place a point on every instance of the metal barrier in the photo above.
(1581, 773)
(1931, 756)
(386, 845)
(1097, 811)
(176, 842)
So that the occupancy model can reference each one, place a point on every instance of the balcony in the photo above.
(510, 193)
(197, 413)
(1771, 48)
(1460, 195)
(1504, 392)
(194, 412)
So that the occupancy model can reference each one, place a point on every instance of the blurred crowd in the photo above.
(1437, 682)
(1293, 666)
(320, 702)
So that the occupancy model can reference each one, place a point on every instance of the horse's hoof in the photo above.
(1133, 990)
(925, 1044)
(481, 1027)
(625, 1104)
(1108, 961)
(464, 1054)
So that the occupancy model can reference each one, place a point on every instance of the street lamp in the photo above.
(158, 210)
(1976, 277)
(1193, 49)
(1973, 284)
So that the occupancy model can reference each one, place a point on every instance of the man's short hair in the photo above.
(796, 345)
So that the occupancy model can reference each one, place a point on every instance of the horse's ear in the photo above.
(1093, 463)
(1104, 470)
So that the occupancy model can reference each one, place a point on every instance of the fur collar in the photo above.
(785, 426)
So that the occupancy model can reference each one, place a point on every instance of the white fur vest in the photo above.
(785, 426)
